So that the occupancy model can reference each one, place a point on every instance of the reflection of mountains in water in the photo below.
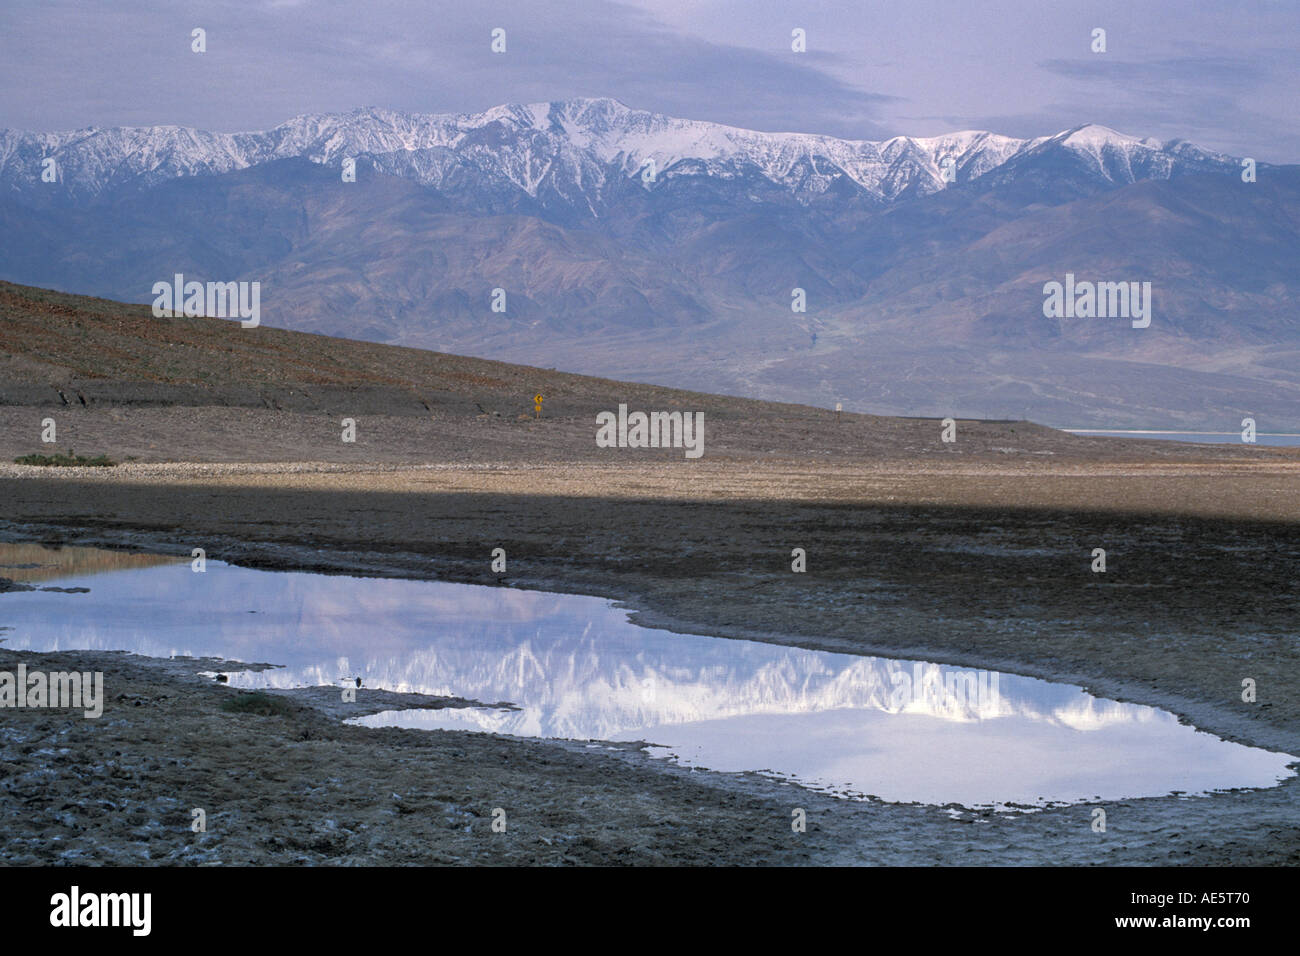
(580, 669)
(598, 687)
(576, 666)
(29, 562)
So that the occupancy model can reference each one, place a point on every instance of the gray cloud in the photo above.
(1224, 79)
(266, 62)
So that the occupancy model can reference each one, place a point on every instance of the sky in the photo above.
(1224, 74)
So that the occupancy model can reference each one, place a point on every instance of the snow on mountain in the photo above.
(570, 150)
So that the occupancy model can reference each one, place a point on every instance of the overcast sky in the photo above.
(1222, 73)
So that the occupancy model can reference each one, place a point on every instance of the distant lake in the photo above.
(1218, 438)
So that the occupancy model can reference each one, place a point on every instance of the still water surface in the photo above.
(1214, 438)
(577, 668)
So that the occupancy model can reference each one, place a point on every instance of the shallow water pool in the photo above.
(577, 668)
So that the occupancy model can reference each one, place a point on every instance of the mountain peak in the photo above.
(1096, 136)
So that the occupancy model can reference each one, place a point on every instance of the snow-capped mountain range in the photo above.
(923, 292)
(573, 151)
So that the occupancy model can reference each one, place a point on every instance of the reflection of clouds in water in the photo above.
(577, 668)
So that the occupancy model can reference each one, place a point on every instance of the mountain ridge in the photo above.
(579, 142)
(918, 295)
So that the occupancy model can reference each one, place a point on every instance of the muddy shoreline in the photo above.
(702, 558)
(271, 556)
(302, 788)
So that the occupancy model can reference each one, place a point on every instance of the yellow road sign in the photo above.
(537, 399)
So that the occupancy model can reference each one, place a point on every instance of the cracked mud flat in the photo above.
(982, 565)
